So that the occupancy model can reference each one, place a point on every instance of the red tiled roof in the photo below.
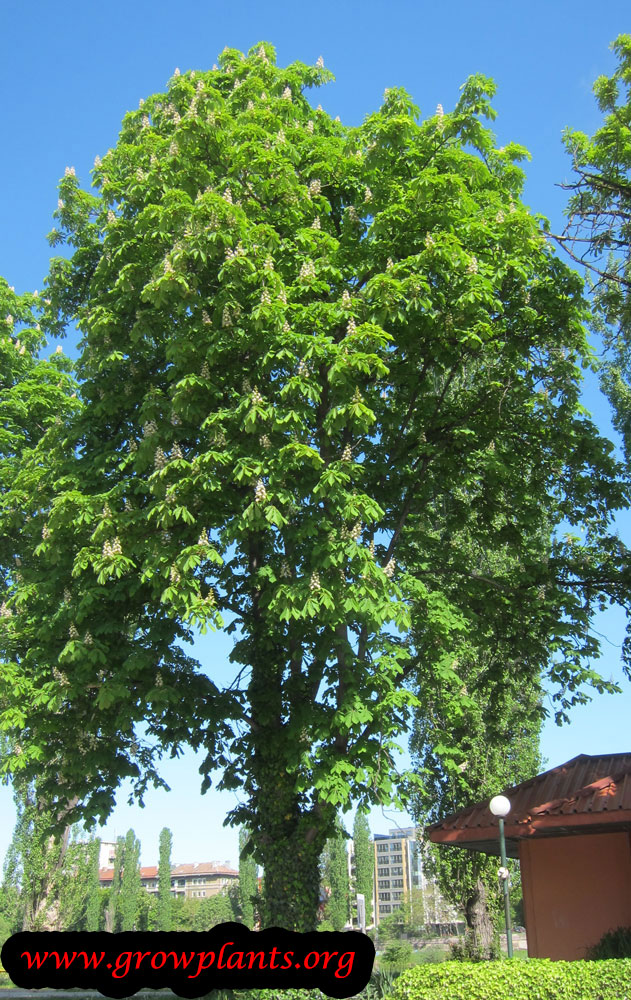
(585, 795)
(203, 868)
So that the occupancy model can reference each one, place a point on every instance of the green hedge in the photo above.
(536, 979)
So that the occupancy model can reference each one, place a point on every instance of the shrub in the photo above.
(614, 944)
(538, 977)
(397, 953)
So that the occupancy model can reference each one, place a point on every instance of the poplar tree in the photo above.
(364, 862)
(306, 350)
(129, 898)
(335, 877)
(112, 912)
(248, 881)
(164, 880)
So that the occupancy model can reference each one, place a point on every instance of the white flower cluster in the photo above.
(5, 612)
(174, 575)
(303, 368)
(265, 297)
(133, 446)
(315, 187)
(282, 296)
(347, 454)
(128, 504)
(285, 571)
(257, 399)
(357, 396)
(262, 54)
(206, 320)
(337, 118)
(314, 582)
(499, 217)
(159, 459)
(367, 194)
(371, 548)
(203, 538)
(69, 172)
(97, 162)
(351, 327)
(269, 264)
(205, 370)
(356, 531)
(227, 196)
(287, 94)
(260, 493)
(250, 105)
(281, 135)
(158, 681)
(286, 327)
(307, 271)
(320, 62)
(60, 204)
(149, 428)
(72, 632)
(316, 223)
(346, 299)
(226, 319)
(472, 266)
(176, 451)
(45, 532)
(353, 217)
(88, 640)
(511, 208)
(389, 569)
(389, 264)
(430, 242)
(145, 121)
(310, 127)
(265, 442)
(67, 596)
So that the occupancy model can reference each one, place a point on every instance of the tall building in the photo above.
(398, 869)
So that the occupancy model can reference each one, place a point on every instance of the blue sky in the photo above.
(68, 75)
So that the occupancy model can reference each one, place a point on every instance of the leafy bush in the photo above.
(397, 953)
(614, 944)
(538, 977)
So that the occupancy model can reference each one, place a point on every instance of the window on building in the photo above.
(396, 846)
(384, 883)
(384, 908)
(181, 881)
(384, 895)
(396, 859)
(381, 848)
(397, 895)
(381, 872)
(397, 883)
(396, 871)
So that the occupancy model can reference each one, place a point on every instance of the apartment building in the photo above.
(195, 881)
(398, 869)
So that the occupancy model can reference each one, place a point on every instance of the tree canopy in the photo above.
(311, 355)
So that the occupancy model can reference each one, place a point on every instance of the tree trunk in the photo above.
(480, 930)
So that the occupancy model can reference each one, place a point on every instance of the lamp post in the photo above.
(500, 807)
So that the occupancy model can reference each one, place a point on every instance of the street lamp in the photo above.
(500, 806)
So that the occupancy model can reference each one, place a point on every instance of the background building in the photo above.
(202, 880)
